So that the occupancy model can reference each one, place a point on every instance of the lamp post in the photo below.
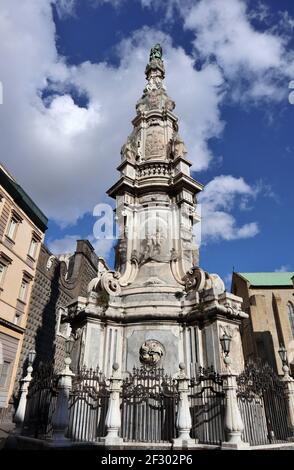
(31, 357)
(283, 355)
(69, 344)
(225, 341)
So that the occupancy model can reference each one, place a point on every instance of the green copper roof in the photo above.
(269, 279)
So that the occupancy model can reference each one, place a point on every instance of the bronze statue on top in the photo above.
(156, 52)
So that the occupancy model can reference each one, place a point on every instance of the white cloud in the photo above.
(64, 245)
(103, 247)
(283, 269)
(217, 202)
(256, 61)
(63, 154)
(68, 243)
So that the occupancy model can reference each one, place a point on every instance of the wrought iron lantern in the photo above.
(69, 344)
(283, 354)
(31, 356)
(225, 341)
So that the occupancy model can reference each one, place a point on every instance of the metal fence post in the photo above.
(289, 392)
(19, 416)
(60, 418)
(184, 420)
(113, 417)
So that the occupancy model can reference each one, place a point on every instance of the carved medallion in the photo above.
(151, 352)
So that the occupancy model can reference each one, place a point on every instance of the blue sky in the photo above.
(72, 72)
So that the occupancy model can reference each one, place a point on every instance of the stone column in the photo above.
(60, 418)
(113, 417)
(289, 390)
(184, 421)
(19, 416)
(233, 421)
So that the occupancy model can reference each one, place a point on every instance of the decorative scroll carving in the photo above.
(107, 281)
(110, 282)
(151, 352)
(195, 279)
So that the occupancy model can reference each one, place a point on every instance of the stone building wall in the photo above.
(268, 324)
(57, 282)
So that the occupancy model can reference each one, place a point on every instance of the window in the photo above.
(33, 248)
(23, 290)
(4, 373)
(291, 317)
(4, 262)
(12, 228)
(3, 268)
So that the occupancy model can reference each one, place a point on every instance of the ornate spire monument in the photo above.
(158, 307)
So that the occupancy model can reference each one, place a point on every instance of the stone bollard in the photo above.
(60, 418)
(19, 416)
(113, 417)
(289, 391)
(233, 421)
(184, 420)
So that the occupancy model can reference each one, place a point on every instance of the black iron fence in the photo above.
(263, 405)
(41, 402)
(207, 406)
(88, 405)
(149, 406)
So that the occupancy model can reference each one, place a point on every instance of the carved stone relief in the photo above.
(151, 352)
(154, 147)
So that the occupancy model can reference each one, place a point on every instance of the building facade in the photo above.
(58, 280)
(268, 298)
(22, 228)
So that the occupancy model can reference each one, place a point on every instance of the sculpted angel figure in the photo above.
(127, 150)
(177, 148)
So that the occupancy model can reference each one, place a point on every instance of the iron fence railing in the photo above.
(263, 405)
(41, 403)
(88, 405)
(149, 405)
(207, 406)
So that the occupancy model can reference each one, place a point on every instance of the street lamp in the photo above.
(31, 356)
(283, 354)
(225, 341)
(69, 344)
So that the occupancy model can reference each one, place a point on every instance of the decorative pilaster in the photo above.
(60, 418)
(113, 417)
(184, 420)
(19, 416)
